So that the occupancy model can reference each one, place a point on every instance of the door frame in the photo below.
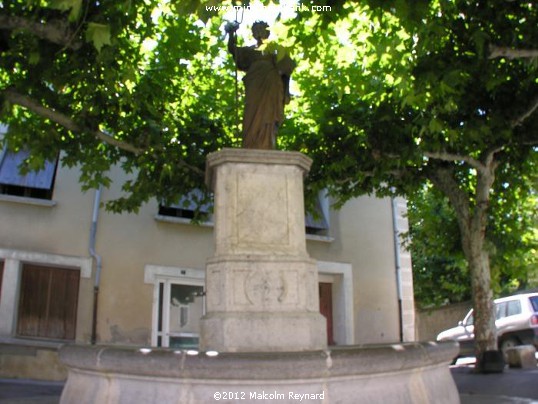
(326, 300)
(157, 275)
(341, 276)
(165, 333)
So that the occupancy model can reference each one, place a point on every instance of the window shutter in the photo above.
(10, 175)
(48, 302)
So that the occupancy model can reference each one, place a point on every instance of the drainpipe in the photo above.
(97, 259)
(397, 263)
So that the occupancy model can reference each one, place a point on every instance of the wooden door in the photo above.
(326, 307)
(48, 302)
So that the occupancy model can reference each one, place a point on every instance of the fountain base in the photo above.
(402, 373)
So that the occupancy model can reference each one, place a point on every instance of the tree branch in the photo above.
(55, 31)
(443, 179)
(520, 119)
(24, 101)
(445, 156)
(63, 120)
(368, 174)
(490, 155)
(509, 53)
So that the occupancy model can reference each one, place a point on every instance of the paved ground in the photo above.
(18, 391)
(516, 386)
(513, 386)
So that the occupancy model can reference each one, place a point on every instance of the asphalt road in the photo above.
(518, 386)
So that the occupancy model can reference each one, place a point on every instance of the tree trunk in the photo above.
(473, 241)
(484, 312)
(471, 212)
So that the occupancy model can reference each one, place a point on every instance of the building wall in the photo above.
(362, 232)
(358, 256)
(47, 233)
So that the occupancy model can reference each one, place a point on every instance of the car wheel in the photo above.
(507, 344)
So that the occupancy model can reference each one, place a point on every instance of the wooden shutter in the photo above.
(48, 302)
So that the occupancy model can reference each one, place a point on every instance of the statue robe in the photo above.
(266, 92)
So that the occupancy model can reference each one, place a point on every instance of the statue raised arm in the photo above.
(266, 87)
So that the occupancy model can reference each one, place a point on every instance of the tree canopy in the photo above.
(390, 95)
(440, 270)
(147, 84)
(134, 83)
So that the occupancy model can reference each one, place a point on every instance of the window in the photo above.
(500, 310)
(316, 223)
(513, 308)
(34, 184)
(317, 220)
(469, 320)
(534, 302)
(48, 302)
(186, 206)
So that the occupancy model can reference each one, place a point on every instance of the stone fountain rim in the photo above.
(334, 362)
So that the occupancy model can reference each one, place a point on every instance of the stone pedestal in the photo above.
(261, 285)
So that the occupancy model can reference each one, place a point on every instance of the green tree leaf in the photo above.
(98, 35)
(73, 6)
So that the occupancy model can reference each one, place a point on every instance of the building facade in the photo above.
(72, 272)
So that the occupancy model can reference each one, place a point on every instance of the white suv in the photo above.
(516, 318)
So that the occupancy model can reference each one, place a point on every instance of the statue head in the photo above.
(260, 31)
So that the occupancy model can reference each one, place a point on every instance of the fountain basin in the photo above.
(402, 373)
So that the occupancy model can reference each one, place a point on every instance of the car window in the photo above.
(469, 320)
(500, 310)
(513, 308)
(534, 302)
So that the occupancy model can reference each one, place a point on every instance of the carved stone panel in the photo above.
(261, 214)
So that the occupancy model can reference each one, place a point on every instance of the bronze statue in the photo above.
(266, 87)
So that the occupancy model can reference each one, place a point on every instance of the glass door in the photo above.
(181, 306)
